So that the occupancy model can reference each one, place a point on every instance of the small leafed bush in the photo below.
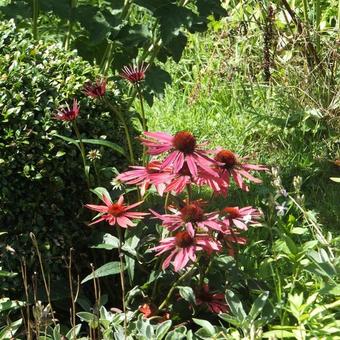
(41, 177)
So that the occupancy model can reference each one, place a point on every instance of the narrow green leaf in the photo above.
(235, 305)
(110, 268)
(258, 305)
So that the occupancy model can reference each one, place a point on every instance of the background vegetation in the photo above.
(263, 81)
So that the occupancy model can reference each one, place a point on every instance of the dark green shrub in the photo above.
(42, 186)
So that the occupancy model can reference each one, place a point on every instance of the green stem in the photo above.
(305, 11)
(82, 151)
(107, 57)
(126, 7)
(70, 23)
(122, 279)
(317, 23)
(189, 192)
(126, 130)
(144, 124)
(174, 286)
(35, 16)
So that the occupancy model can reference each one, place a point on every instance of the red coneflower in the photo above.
(183, 149)
(96, 89)
(183, 248)
(146, 176)
(68, 114)
(215, 302)
(229, 164)
(238, 217)
(116, 213)
(191, 216)
(134, 74)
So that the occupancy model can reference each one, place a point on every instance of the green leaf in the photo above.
(235, 305)
(108, 242)
(205, 324)
(90, 318)
(73, 332)
(258, 305)
(110, 268)
(100, 192)
(162, 329)
(277, 334)
(9, 331)
(331, 289)
(172, 18)
(68, 139)
(187, 294)
(106, 143)
(231, 319)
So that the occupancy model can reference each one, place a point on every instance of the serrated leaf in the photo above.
(110, 268)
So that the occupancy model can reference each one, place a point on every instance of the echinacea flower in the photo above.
(68, 114)
(229, 237)
(183, 149)
(178, 181)
(229, 164)
(191, 216)
(146, 176)
(215, 302)
(134, 74)
(183, 248)
(238, 217)
(95, 90)
(116, 213)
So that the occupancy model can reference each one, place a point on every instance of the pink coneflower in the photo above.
(146, 176)
(183, 150)
(183, 248)
(68, 114)
(229, 238)
(215, 302)
(230, 165)
(116, 213)
(134, 74)
(95, 90)
(177, 181)
(238, 217)
(191, 216)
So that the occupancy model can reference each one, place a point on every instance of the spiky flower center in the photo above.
(116, 209)
(183, 239)
(192, 213)
(184, 141)
(227, 158)
(231, 212)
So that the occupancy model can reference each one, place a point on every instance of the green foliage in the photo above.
(41, 178)
(111, 34)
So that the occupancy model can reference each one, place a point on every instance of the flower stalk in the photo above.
(82, 151)
(122, 278)
(126, 130)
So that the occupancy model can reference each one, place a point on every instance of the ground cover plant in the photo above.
(218, 218)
